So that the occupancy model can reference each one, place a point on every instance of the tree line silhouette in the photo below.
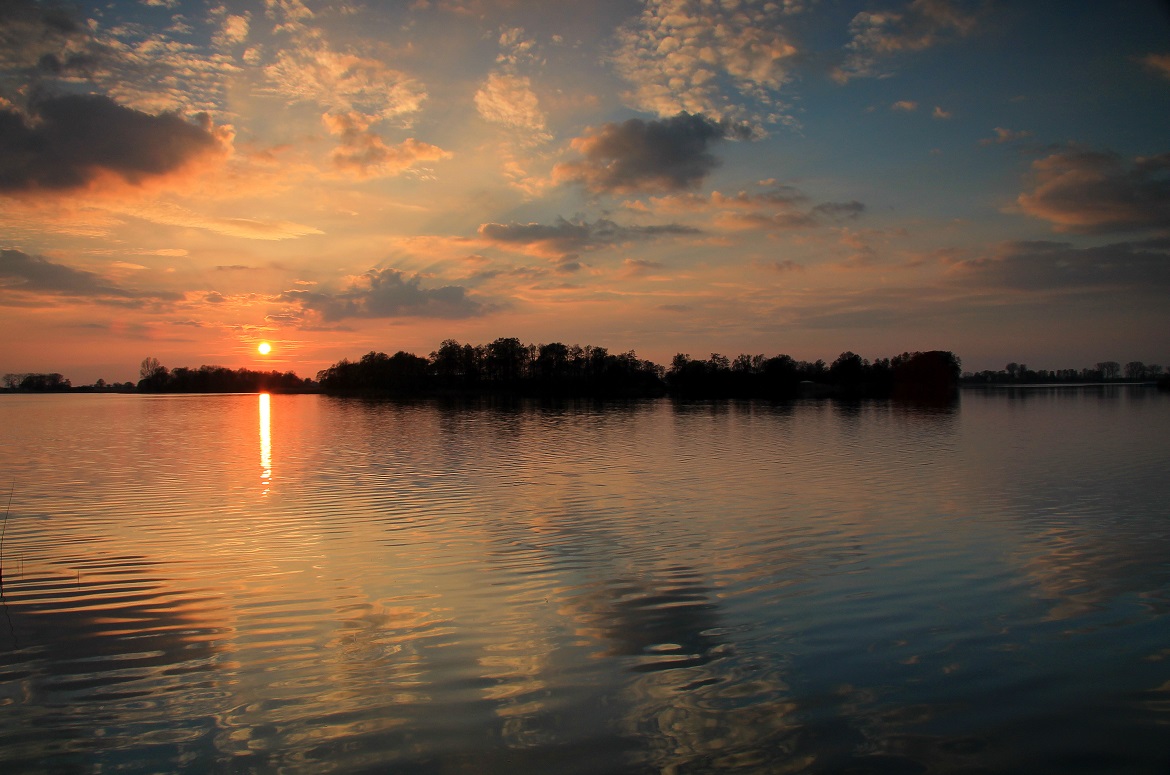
(509, 366)
(504, 365)
(156, 378)
(1104, 371)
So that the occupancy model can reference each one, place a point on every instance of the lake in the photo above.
(242, 583)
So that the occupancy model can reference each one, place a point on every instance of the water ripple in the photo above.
(653, 586)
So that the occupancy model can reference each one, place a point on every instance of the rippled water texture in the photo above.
(298, 583)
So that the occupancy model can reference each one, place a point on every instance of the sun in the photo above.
(264, 348)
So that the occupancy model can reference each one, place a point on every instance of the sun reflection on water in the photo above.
(265, 443)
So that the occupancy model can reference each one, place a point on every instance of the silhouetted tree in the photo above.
(849, 373)
(506, 360)
(43, 383)
(1135, 370)
(153, 376)
(552, 363)
(926, 376)
(215, 379)
(1109, 369)
(447, 363)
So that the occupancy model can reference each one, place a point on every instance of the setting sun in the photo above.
(264, 348)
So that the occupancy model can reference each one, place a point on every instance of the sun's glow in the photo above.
(264, 348)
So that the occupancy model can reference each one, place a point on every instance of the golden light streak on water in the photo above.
(265, 443)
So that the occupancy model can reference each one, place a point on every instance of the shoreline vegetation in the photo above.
(506, 366)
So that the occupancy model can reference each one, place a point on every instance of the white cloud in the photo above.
(509, 100)
(708, 58)
(344, 83)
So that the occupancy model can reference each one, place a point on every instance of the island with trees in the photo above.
(509, 366)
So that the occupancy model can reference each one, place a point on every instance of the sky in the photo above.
(184, 180)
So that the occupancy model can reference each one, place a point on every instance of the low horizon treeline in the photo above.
(156, 378)
(1104, 371)
(508, 365)
(505, 364)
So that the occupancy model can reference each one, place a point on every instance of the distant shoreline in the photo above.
(506, 366)
(818, 391)
(1012, 385)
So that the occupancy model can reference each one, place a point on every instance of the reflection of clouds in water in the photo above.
(1078, 563)
(118, 636)
(874, 733)
(134, 624)
(667, 623)
(728, 714)
(692, 702)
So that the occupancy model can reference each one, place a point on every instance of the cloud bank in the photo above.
(566, 238)
(1043, 265)
(68, 142)
(23, 273)
(386, 293)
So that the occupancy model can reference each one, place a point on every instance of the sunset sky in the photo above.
(184, 180)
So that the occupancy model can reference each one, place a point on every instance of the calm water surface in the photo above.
(305, 584)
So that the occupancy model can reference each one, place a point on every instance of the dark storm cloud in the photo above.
(1098, 191)
(387, 293)
(67, 141)
(1039, 266)
(23, 273)
(649, 156)
(567, 237)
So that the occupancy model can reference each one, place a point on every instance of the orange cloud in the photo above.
(1158, 63)
(366, 154)
(1090, 191)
